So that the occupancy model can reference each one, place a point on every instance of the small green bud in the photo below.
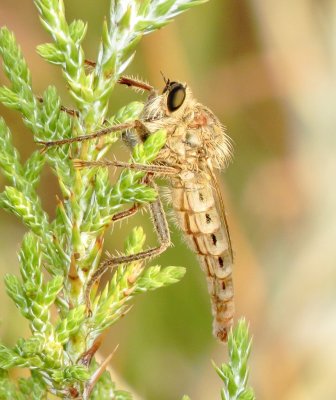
(50, 53)
(77, 30)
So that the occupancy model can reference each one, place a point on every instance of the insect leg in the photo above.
(149, 168)
(115, 128)
(162, 230)
(126, 213)
(125, 80)
(135, 83)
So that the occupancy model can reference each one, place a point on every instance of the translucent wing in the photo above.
(215, 182)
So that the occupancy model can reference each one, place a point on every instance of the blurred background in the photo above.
(268, 71)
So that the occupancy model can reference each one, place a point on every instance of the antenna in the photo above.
(166, 81)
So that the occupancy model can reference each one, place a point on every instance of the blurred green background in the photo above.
(268, 71)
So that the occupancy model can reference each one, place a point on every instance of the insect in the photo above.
(196, 145)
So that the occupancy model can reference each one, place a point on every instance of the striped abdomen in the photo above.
(200, 220)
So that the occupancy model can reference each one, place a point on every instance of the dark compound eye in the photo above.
(176, 96)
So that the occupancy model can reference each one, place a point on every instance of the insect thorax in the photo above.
(194, 134)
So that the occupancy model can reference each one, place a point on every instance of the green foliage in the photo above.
(69, 248)
(22, 391)
(234, 374)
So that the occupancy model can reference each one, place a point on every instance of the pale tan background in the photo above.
(267, 69)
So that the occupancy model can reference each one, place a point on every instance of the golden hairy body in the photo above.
(196, 145)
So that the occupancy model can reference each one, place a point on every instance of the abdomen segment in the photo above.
(206, 235)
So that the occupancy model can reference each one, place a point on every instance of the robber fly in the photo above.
(196, 145)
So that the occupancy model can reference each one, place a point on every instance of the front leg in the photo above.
(135, 84)
(136, 124)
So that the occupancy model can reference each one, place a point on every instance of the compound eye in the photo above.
(176, 97)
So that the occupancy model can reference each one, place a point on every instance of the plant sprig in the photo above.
(234, 374)
(60, 351)
(70, 246)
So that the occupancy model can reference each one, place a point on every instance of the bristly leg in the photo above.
(135, 83)
(163, 234)
(94, 135)
(125, 80)
(126, 213)
(164, 170)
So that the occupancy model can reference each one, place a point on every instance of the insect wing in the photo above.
(219, 201)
